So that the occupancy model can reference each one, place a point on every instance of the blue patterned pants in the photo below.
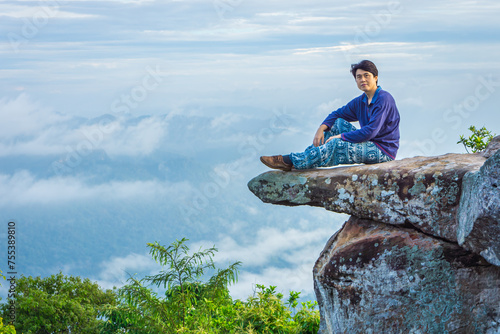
(337, 151)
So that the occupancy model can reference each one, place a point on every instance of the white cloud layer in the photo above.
(40, 14)
(31, 129)
(269, 242)
(274, 256)
(26, 189)
(116, 271)
(297, 248)
(23, 117)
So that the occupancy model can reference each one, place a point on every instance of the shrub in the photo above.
(478, 141)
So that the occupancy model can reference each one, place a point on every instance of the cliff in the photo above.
(420, 253)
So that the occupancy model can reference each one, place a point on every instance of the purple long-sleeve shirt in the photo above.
(379, 121)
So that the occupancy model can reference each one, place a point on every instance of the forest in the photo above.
(189, 295)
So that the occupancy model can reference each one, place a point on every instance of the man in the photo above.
(338, 142)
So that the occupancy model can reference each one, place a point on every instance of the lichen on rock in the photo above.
(377, 278)
(479, 212)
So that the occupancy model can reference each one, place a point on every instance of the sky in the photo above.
(166, 106)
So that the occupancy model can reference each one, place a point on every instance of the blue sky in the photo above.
(217, 83)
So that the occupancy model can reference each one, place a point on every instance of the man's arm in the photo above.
(378, 118)
(319, 137)
(346, 112)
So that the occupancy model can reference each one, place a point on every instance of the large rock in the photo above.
(479, 212)
(421, 191)
(377, 278)
(492, 148)
(421, 252)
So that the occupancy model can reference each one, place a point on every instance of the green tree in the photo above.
(5, 329)
(196, 302)
(182, 276)
(307, 318)
(478, 141)
(266, 312)
(59, 304)
(189, 303)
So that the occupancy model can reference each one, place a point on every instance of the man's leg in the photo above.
(366, 153)
(324, 155)
(338, 152)
(340, 126)
(320, 156)
(335, 152)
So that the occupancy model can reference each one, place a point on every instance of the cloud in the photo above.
(273, 256)
(24, 117)
(49, 10)
(326, 108)
(139, 139)
(269, 244)
(31, 129)
(298, 248)
(226, 120)
(117, 270)
(296, 278)
(25, 189)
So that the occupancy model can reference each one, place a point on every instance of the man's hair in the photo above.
(364, 65)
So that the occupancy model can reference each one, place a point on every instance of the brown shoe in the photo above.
(276, 162)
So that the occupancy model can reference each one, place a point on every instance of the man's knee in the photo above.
(343, 126)
(339, 143)
(335, 143)
(341, 121)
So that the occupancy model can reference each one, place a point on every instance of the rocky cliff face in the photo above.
(420, 253)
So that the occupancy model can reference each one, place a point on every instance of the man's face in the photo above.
(366, 81)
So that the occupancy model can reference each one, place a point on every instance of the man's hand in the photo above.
(319, 137)
(333, 137)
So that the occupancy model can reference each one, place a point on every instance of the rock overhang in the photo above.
(422, 191)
